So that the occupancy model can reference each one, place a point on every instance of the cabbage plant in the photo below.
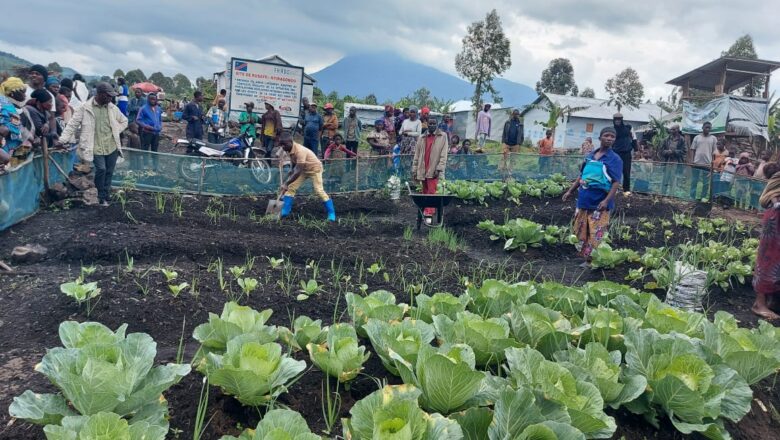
(439, 304)
(602, 368)
(278, 424)
(519, 233)
(540, 328)
(103, 425)
(495, 297)
(578, 398)
(235, 320)
(304, 331)
(339, 356)
(601, 293)
(378, 305)
(565, 299)
(445, 376)
(252, 372)
(604, 326)
(100, 371)
(519, 415)
(695, 395)
(605, 257)
(404, 338)
(394, 413)
(753, 353)
(487, 337)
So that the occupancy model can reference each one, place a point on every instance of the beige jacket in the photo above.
(83, 120)
(438, 159)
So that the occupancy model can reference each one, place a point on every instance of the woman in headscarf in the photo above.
(766, 276)
(600, 178)
(12, 97)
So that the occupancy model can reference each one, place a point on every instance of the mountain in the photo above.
(391, 77)
(8, 61)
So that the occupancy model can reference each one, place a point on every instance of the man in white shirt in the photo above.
(703, 146)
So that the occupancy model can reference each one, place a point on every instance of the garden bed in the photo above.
(372, 230)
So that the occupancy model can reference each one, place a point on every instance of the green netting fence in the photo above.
(235, 177)
(20, 187)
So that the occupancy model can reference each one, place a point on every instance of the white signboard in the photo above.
(261, 82)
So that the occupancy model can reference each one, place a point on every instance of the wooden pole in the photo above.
(45, 147)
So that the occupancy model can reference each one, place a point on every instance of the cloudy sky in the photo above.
(660, 39)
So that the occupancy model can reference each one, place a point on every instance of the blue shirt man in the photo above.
(312, 128)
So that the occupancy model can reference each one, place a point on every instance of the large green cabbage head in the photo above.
(254, 373)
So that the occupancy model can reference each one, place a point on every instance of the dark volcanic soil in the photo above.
(371, 230)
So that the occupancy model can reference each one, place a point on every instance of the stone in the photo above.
(81, 182)
(58, 191)
(29, 253)
(90, 197)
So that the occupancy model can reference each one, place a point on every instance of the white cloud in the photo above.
(661, 39)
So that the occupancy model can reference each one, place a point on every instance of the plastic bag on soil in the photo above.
(688, 288)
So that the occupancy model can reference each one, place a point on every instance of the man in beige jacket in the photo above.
(430, 158)
(99, 122)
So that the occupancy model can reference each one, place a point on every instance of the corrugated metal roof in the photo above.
(741, 71)
(597, 108)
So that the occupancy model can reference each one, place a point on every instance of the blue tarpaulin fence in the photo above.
(21, 187)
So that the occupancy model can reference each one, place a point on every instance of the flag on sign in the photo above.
(241, 66)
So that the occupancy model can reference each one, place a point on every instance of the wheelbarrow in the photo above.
(436, 201)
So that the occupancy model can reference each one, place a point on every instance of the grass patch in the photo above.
(446, 238)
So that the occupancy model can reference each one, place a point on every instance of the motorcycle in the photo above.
(240, 149)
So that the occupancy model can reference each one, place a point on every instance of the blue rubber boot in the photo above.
(331, 210)
(287, 206)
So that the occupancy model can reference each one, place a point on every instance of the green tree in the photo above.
(556, 113)
(588, 92)
(557, 78)
(625, 89)
(118, 73)
(135, 76)
(167, 84)
(370, 99)
(208, 87)
(54, 67)
(181, 85)
(671, 103)
(744, 48)
(486, 53)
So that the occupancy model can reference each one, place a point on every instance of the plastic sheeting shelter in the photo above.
(741, 116)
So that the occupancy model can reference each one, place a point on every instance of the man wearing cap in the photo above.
(352, 128)
(484, 122)
(330, 124)
(673, 152)
(248, 120)
(312, 128)
(625, 144)
(99, 122)
(38, 117)
(305, 165)
(193, 114)
(272, 127)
